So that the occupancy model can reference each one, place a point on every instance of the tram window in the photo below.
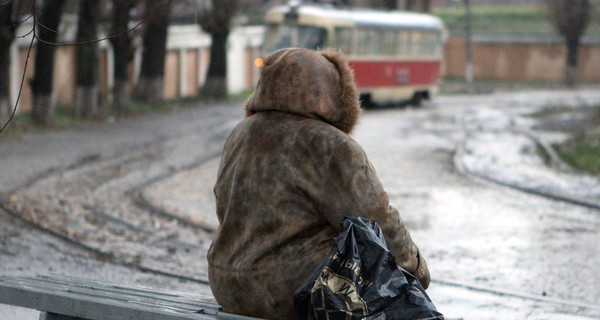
(343, 40)
(276, 37)
(428, 43)
(369, 41)
(365, 42)
(413, 47)
(423, 43)
(411, 43)
(377, 43)
(389, 39)
(403, 43)
(285, 36)
(434, 42)
(437, 44)
(311, 37)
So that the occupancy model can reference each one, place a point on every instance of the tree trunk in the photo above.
(122, 55)
(121, 95)
(411, 5)
(7, 35)
(417, 5)
(391, 4)
(86, 94)
(571, 19)
(215, 86)
(217, 22)
(572, 62)
(426, 6)
(150, 86)
(5, 111)
(41, 85)
(5, 43)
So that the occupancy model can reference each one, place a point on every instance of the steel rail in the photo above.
(510, 293)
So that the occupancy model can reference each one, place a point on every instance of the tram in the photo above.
(396, 56)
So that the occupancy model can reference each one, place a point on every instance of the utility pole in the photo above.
(469, 43)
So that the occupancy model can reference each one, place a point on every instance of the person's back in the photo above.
(289, 173)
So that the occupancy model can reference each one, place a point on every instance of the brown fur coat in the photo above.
(289, 173)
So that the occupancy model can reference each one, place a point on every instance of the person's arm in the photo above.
(351, 188)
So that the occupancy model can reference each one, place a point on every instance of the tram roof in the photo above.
(368, 17)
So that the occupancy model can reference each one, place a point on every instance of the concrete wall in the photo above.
(520, 59)
(186, 63)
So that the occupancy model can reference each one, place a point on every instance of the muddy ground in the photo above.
(131, 201)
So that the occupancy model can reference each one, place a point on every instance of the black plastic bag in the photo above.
(360, 280)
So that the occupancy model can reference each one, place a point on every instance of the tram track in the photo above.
(97, 203)
(107, 257)
(515, 294)
(521, 188)
(552, 161)
(142, 236)
(109, 171)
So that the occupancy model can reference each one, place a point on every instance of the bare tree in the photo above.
(43, 107)
(418, 5)
(571, 19)
(150, 86)
(8, 25)
(86, 95)
(215, 18)
(122, 53)
(426, 6)
(411, 5)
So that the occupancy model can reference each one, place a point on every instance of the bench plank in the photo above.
(89, 299)
(118, 292)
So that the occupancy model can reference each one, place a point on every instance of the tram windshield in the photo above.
(281, 36)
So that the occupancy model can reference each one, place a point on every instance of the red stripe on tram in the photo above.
(395, 73)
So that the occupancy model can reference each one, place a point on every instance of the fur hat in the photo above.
(316, 84)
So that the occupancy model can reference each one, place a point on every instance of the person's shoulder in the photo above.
(323, 130)
(329, 138)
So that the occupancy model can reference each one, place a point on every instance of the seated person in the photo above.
(289, 174)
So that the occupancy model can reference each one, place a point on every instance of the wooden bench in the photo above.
(69, 298)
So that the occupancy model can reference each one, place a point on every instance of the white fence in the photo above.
(186, 63)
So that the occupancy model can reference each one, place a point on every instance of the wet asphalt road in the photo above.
(110, 199)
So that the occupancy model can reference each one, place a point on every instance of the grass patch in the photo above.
(63, 118)
(453, 86)
(22, 123)
(144, 107)
(582, 153)
(549, 112)
(503, 20)
(582, 150)
(242, 96)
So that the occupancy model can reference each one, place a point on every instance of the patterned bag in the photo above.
(360, 280)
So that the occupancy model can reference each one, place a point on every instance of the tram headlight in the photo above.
(259, 62)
